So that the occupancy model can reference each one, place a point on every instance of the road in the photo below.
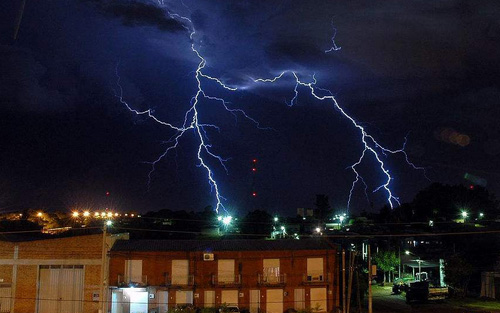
(384, 302)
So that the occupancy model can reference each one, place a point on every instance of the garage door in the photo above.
(5, 299)
(60, 289)
(318, 299)
(229, 297)
(274, 301)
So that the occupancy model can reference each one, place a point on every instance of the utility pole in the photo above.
(369, 281)
(343, 282)
(399, 262)
(102, 301)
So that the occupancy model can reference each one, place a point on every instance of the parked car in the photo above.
(229, 309)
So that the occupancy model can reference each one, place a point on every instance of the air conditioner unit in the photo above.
(208, 256)
(315, 278)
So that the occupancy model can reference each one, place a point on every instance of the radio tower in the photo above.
(254, 174)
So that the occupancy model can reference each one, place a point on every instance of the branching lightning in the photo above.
(369, 144)
(192, 121)
(192, 116)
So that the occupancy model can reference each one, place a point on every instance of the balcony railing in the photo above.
(265, 279)
(226, 280)
(179, 280)
(125, 281)
(316, 278)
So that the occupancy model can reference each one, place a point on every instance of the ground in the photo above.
(385, 302)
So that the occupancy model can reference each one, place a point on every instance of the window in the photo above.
(133, 271)
(315, 269)
(180, 272)
(271, 270)
(225, 271)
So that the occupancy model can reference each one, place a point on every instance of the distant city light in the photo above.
(39, 214)
(75, 214)
(109, 223)
(407, 252)
(103, 214)
(132, 215)
(116, 214)
(464, 214)
(275, 218)
(282, 227)
(86, 213)
(110, 214)
(431, 223)
(219, 218)
(318, 230)
(96, 214)
(481, 214)
(341, 218)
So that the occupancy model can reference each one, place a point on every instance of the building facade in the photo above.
(255, 275)
(61, 275)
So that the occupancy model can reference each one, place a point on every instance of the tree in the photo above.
(457, 274)
(387, 261)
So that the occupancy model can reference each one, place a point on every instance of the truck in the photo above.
(422, 291)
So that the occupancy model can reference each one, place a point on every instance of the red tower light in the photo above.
(471, 187)
(254, 160)
(107, 193)
(254, 194)
(254, 169)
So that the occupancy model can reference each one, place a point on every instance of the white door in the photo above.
(60, 289)
(117, 301)
(5, 299)
(254, 300)
(209, 299)
(162, 301)
(274, 301)
(138, 301)
(299, 298)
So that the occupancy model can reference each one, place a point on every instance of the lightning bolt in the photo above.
(192, 121)
(334, 45)
(192, 117)
(369, 144)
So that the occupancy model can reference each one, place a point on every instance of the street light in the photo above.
(464, 215)
(419, 261)
(86, 213)
(227, 220)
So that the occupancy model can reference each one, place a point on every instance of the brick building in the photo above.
(60, 275)
(257, 275)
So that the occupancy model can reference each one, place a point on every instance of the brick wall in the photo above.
(249, 264)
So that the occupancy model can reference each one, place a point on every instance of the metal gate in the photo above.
(60, 289)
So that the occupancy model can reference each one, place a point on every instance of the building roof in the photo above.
(221, 245)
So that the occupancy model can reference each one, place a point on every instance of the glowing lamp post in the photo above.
(464, 215)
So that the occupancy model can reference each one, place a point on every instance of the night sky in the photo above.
(425, 70)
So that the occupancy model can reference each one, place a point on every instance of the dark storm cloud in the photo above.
(134, 13)
(28, 85)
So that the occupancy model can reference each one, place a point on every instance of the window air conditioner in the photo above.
(208, 256)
